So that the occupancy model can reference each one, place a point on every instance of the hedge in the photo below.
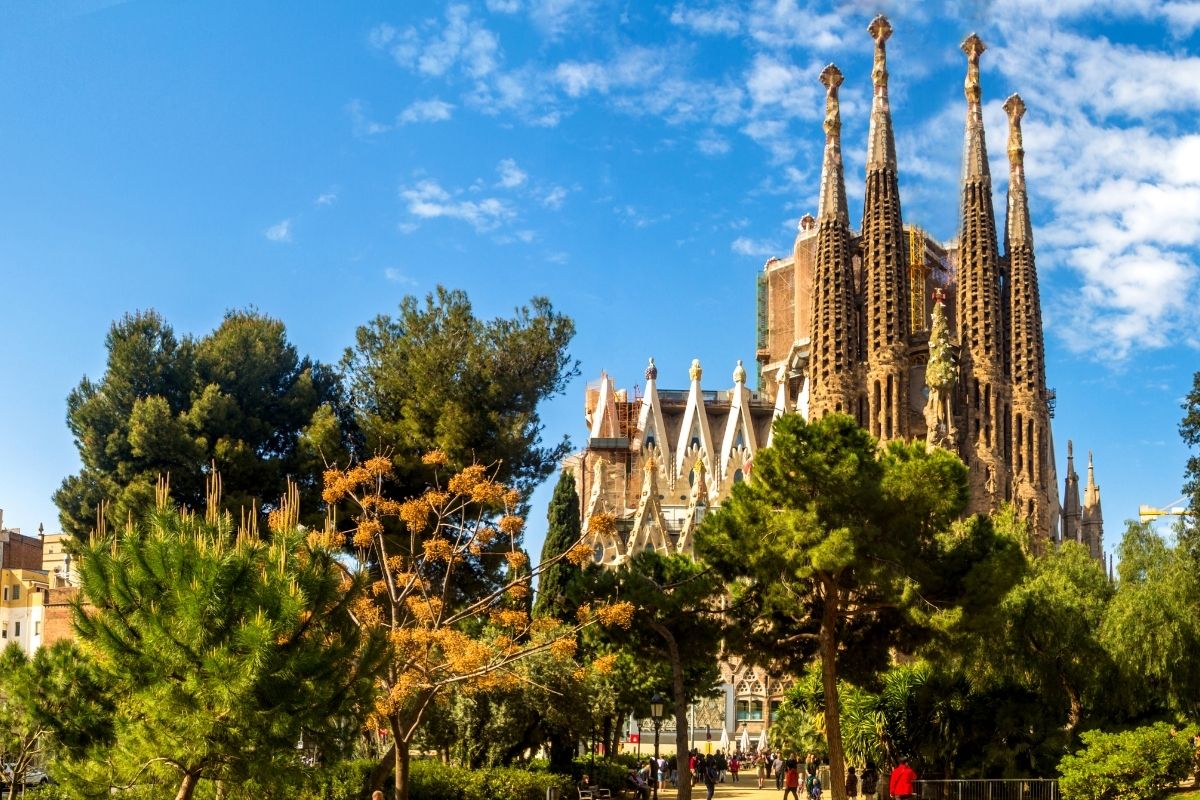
(1141, 764)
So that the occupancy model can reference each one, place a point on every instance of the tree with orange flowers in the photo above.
(449, 589)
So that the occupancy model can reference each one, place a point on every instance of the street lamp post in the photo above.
(656, 713)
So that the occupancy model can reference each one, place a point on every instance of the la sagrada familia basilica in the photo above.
(915, 338)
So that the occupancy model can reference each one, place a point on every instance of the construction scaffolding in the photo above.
(918, 271)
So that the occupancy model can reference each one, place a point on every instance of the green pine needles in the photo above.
(222, 651)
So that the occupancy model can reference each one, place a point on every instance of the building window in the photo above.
(775, 705)
(16, 591)
(37, 628)
(749, 710)
(16, 629)
(4, 631)
(5, 592)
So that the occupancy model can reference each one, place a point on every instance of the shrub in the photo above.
(432, 780)
(607, 774)
(1140, 764)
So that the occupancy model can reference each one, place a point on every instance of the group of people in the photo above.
(790, 774)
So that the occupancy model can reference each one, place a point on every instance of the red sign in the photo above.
(635, 738)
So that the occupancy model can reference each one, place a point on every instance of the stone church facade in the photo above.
(915, 338)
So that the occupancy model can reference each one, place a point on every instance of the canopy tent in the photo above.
(724, 743)
(744, 743)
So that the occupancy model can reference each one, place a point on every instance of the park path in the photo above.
(744, 790)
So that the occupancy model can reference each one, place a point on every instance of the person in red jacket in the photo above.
(901, 783)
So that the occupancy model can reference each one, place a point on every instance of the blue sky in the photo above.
(634, 161)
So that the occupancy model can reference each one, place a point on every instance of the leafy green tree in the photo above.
(50, 696)
(677, 622)
(1141, 764)
(1189, 430)
(220, 650)
(839, 550)
(240, 398)
(435, 377)
(1152, 627)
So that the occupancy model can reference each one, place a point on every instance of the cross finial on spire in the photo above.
(833, 184)
(973, 46)
(880, 30)
(1014, 106)
(832, 77)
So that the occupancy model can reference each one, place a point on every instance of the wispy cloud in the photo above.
(511, 176)
(745, 246)
(280, 232)
(428, 200)
(434, 110)
(460, 43)
(555, 197)
(326, 198)
(396, 275)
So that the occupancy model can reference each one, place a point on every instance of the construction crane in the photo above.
(1147, 513)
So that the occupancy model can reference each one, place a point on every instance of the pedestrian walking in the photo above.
(851, 783)
(900, 785)
(870, 781)
(791, 778)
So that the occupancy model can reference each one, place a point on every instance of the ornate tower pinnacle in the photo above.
(985, 395)
(833, 351)
(881, 144)
(1029, 436)
(1017, 228)
(885, 288)
(833, 183)
(975, 163)
(1092, 518)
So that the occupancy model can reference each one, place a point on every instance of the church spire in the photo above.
(1071, 512)
(833, 351)
(1092, 521)
(985, 394)
(881, 144)
(833, 182)
(1029, 436)
(885, 291)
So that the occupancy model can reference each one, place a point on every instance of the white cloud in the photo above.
(326, 198)
(511, 176)
(434, 110)
(428, 200)
(745, 246)
(280, 232)
(434, 49)
(397, 276)
(555, 198)
(362, 124)
(504, 6)
(712, 144)
(720, 20)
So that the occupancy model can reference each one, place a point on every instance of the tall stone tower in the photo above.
(886, 303)
(833, 355)
(1072, 514)
(1092, 518)
(983, 386)
(1029, 437)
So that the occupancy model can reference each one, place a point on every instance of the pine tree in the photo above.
(221, 650)
(561, 535)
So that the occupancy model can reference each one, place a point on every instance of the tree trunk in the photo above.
(401, 772)
(833, 715)
(381, 770)
(684, 783)
(188, 787)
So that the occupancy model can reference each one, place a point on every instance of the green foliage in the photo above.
(240, 397)
(219, 652)
(840, 550)
(1152, 627)
(49, 703)
(431, 780)
(561, 534)
(1189, 431)
(1145, 763)
(437, 377)
(611, 774)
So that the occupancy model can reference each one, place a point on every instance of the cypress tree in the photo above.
(562, 534)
